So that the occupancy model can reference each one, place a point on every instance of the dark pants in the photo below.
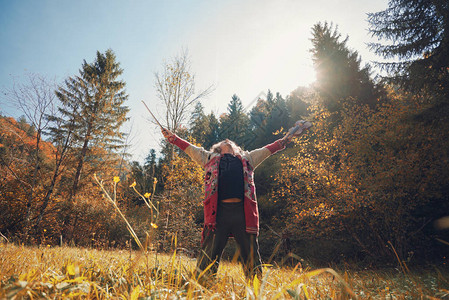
(230, 220)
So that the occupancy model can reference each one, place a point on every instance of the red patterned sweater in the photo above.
(210, 162)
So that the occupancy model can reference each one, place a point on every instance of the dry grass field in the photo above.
(65, 273)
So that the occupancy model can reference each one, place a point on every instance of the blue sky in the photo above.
(241, 47)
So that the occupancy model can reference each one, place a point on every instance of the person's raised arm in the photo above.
(259, 155)
(197, 154)
(175, 140)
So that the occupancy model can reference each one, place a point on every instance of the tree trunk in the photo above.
(27, 226)
(80, 163)
(56, 173)
(48, 195)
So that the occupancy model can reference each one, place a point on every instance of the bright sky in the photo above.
(241, 47)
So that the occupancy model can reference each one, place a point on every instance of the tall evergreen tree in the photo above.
(199, 125)
(338, 69)
(144, 175)
(419, 34)
(257, 123)
(213, 136)
(150, 166)
(257, 115)
(298, 102)
(234, 124)
(268, 117)
(92, 103)
(197, 114)
(204, 128)
(279, 116)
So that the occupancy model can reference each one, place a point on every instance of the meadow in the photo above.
(82, 273)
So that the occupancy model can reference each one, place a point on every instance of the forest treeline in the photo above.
(365, 184)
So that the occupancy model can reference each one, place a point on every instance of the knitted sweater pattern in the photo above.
(211, 194)
(210, 162)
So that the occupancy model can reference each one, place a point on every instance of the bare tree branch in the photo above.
(175, 86)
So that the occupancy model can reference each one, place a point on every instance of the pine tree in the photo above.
(234, 124)
(150, 169)
(213, 136)
(150, 163)
(299, 101)
(199, 125)
(204, 129)
(92, 104)
(279, 117)
(257, 115)
(257, 123)
(267, 117)
(419, 36)
(339, 72)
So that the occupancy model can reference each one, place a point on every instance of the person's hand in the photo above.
(300, 128)
(286, 139)
(168, 135)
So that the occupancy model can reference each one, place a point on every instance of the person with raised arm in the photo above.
(230, 204)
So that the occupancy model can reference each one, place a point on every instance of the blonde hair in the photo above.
(217, 147)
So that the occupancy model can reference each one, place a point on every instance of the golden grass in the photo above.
(63, 272)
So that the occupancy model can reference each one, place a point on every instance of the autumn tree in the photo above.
(175, 87)
(35, 99)
(92, 103)
(367, 188)
(17, 167)
(400, 169)
(182, 209)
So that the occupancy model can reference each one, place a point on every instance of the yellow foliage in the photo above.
(184, 184)
(361, 171)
